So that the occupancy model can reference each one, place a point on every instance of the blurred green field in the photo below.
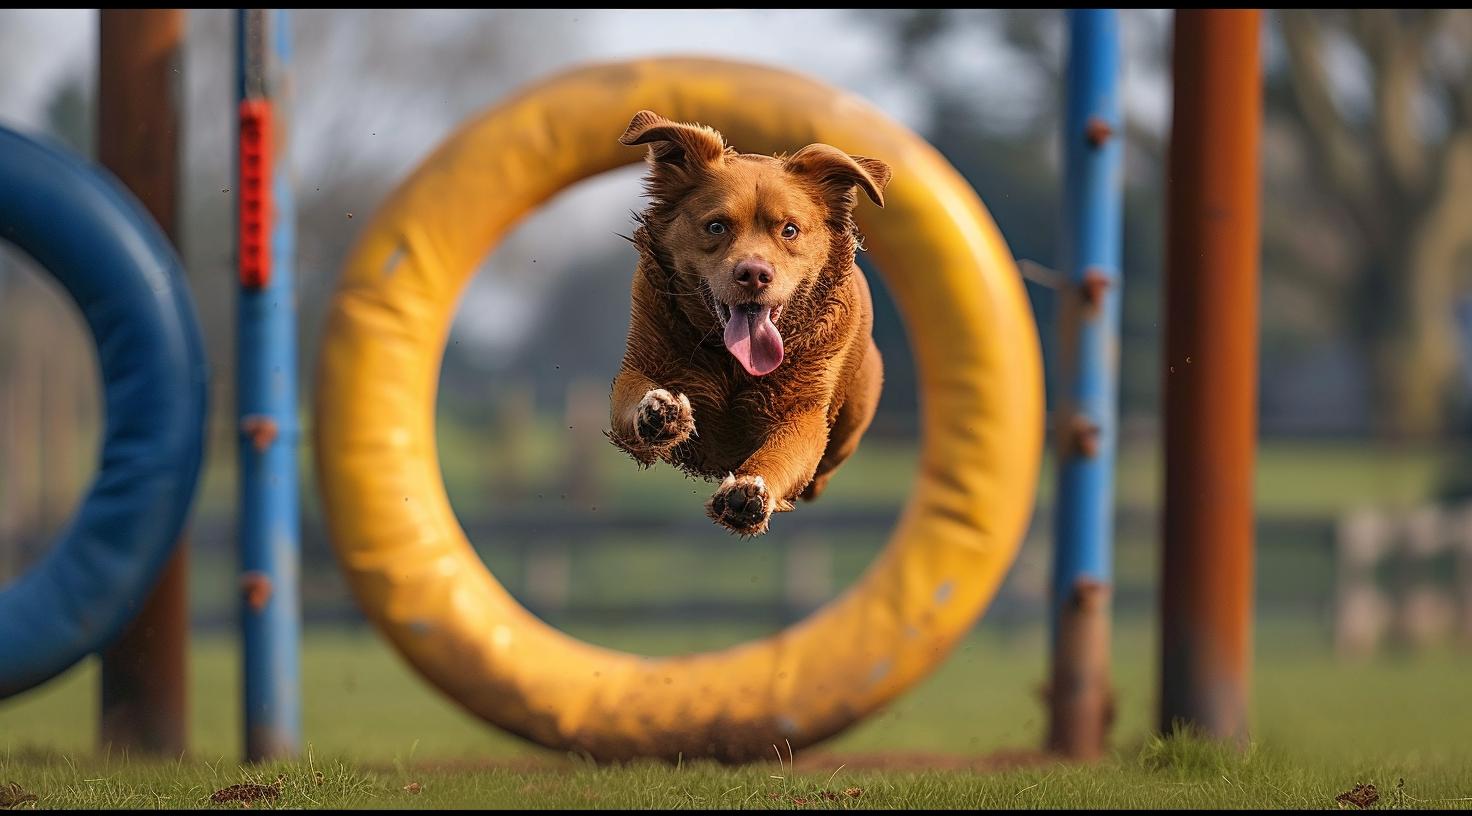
(1320, 725)
(487, 468)
(361, 702)
(1316, 722)
(1294, 477)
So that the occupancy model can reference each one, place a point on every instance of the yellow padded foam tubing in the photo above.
(418, 578)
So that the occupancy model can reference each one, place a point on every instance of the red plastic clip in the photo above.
(255, 194)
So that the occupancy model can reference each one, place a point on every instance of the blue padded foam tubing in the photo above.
(87, 230)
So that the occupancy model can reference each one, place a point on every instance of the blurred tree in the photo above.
(1380, 103)
(71, 115)
(1001, 134)
(1367, 160)
(373, 92)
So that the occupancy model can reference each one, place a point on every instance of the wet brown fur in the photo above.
(794, 426)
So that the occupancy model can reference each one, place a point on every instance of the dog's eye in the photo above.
(790, 231)
(715, 228)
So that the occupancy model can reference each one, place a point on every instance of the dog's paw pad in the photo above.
(742, 505)
(664, 418)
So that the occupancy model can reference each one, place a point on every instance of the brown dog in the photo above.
(750, 354)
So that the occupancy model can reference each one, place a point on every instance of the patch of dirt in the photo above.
(245, 792)
(1361, 796)
(13, 795)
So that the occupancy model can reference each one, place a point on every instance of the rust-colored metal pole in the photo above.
(1211, 373)
(144, 675)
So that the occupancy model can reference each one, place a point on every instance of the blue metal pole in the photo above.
(266, 392)
(1088, 373)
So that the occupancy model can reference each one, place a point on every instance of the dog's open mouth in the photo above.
(752, 336)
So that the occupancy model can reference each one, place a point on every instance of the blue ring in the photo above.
(93, 236)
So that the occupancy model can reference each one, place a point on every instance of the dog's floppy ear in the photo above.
(674, 142)
(837, 173)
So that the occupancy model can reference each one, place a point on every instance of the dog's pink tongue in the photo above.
(754, 340)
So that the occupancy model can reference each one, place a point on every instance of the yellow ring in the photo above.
(415, 574)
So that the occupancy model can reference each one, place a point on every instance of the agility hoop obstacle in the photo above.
(88, 232)
(418, 578)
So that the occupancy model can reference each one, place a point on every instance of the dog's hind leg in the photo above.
(852, 421)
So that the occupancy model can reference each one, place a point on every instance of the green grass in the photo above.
(1319, 727)
(1177, 773)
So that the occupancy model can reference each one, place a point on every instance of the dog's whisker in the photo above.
(698, 345)
(678, 294)
(710, 301)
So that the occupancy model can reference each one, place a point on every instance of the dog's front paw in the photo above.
(663, 420)
(741, 504)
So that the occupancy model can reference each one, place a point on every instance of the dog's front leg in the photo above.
(772, 476)
(648, 421)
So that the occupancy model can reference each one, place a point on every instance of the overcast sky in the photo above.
(392, 121)
(830, 43)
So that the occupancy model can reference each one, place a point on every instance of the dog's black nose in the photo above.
(754, 275)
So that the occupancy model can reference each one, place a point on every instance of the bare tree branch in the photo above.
(1338, 155)
(1396, 49)
(1445, 188)
(1445, 223)
(1459, 22)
